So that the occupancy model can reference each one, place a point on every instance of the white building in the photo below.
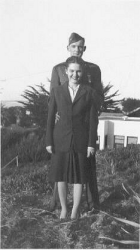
(117, 130)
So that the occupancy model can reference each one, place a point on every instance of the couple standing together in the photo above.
(75, 99)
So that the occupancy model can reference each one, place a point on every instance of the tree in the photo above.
(130, 104)
(5, 116)
(37, 105)
(8, 116)
(13, 115)
(110, 104)
(22, 118)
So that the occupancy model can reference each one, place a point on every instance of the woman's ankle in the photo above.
(63, 214)
(75, 214)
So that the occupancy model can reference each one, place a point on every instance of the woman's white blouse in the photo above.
(73, 92)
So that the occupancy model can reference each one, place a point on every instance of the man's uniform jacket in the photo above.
(91, 77)
(72, 126)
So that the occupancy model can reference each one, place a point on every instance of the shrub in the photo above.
(32, 149)
(117, 166)
(122, 158)
(29, 149)
(10, 137)
(28, 144)
(8, 155)
(30, 179)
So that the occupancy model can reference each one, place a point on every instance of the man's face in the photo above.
(77, 48)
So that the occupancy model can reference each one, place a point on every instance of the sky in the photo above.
(34, 37)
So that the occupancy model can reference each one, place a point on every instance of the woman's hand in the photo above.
(90, 151)
(49, 149)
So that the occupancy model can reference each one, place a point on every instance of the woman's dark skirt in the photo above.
(70, 167)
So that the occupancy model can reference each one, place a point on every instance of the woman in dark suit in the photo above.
(72, 139)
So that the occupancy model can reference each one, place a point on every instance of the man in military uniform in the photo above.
(92, 77)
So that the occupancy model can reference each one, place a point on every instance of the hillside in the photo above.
(27, 222)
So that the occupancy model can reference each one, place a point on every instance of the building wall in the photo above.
(110, 128)
(102, 132)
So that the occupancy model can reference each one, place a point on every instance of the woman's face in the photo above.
(74, 72)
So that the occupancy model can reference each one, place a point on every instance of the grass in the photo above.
(26, 222)
(28, 143)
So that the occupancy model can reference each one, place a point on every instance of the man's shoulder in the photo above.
(59, 75)
(91, 65)
(60, 87)
(60, 66)
(87, 88)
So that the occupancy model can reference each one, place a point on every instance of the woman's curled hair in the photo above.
(75, 59)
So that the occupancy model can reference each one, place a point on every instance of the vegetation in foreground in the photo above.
(27, 223)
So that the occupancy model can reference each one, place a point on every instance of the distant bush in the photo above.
(10, 137)
(13, 134)
(29, 145)
(32, 149)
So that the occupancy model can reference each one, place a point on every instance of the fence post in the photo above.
(11, 161)
(17, 160)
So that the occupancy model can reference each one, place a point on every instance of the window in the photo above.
(105, 141)
(132, 140)
(118, 141)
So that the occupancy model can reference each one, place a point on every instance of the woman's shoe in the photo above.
(63, 220)
(63, 214)
(76, 218)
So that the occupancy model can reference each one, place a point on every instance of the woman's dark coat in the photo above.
(77, 120)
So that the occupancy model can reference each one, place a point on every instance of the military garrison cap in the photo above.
(74, 37)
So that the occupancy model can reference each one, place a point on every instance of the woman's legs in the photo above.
(62, 190)
(77, 194)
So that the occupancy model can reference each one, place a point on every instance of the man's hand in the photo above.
(57, 117)
(49, 149)
(90, 151)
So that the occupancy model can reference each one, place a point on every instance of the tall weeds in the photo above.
(30, 147)
(135, 225)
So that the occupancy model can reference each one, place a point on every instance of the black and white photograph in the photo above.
(70, 124)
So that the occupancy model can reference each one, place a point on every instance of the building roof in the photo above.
(117, 116)
(105, 114)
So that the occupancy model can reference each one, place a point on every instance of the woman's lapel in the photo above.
(66, 92)
(81, 91)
